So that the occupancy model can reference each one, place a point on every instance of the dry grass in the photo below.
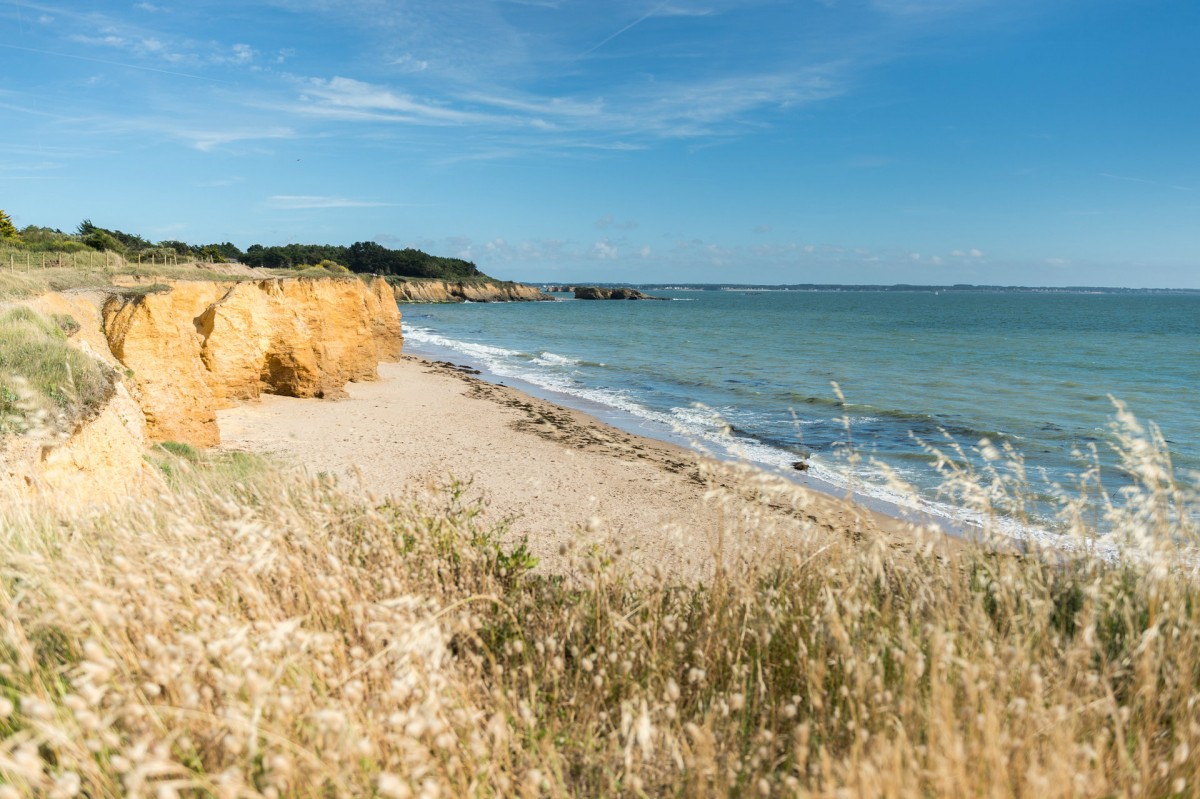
(27, 274)
(253, 633)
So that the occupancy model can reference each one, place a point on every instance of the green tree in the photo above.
(7, 229)
(180, 248)
(367, 256)
(99, 239)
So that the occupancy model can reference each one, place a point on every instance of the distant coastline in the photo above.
(897, 287)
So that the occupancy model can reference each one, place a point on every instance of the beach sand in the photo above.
(557, 476)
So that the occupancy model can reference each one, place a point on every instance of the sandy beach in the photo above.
(557, 476)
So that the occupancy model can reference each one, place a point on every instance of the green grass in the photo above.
(44, 382)
(130, 292)
(188, 469)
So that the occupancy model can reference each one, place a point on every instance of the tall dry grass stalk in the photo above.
(256, 634)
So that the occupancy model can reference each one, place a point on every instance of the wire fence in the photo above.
(20, 260)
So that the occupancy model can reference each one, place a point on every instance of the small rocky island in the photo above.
(599, 293)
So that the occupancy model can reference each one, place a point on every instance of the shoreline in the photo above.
(557, 476)
(916, 511)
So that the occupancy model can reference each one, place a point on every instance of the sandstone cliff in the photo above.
(109, 447)
(202, 346)
(449, 291)
(183, 353)
(102, 458)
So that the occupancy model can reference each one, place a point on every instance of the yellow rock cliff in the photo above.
(181, 354)
(202, 346)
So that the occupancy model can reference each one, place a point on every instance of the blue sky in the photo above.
(858, 141)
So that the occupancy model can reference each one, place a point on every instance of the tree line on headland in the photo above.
(363, 257)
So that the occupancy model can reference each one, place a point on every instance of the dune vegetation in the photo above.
(44, 382)
(251, 631)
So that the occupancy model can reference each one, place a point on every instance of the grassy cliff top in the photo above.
(46, 385)
(50, 259)
(23, 275)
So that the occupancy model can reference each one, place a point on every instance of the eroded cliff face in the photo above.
(203, 346)
(449, 291)
(100, 462)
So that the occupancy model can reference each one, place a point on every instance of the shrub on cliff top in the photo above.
(45, 384)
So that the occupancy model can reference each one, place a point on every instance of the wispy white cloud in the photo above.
(153, 41)
(554, 107)
(221, 183)
(208, 140)
(110, 62)
(34, 166)
(242, 54)
(1146, 182)
(470, 66)
(308, 201)
(721, 105)
(670, 10)
(652, 12)
(346, 98)
(926, 7)
(671, 111)
(608, 221)
(409, 63)
(605, 250)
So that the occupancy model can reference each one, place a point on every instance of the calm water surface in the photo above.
(1032, 370)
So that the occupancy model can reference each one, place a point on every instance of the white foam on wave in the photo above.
(484, 352)
(706, 429)
(553, 359)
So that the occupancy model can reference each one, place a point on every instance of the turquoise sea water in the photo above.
(1032, 370)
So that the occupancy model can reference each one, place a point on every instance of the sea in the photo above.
(846, 391)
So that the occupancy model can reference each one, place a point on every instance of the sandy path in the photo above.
(548, 469)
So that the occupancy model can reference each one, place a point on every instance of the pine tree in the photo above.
(7, 229)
